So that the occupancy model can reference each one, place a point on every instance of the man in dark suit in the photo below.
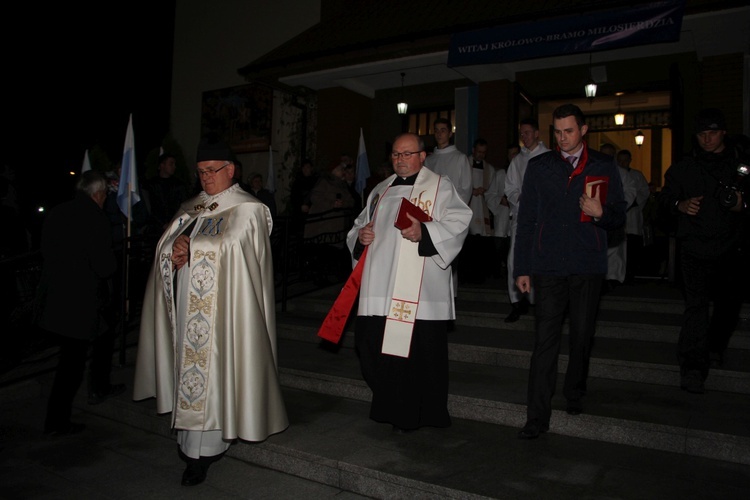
(77, 249)
(561, 244)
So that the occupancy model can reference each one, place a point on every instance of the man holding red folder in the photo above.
(565, 255)
(406, 292)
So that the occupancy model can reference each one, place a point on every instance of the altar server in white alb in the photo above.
(406, 294)
(528, 131)
(447, 160)
(207, 348)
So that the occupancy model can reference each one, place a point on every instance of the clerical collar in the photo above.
(479, 164)
(405, 181)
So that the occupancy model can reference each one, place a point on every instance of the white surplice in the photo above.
(455, 165)
(494, 196)
(451, 217)
(480, 221)
(513, 184)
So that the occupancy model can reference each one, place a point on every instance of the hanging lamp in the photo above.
(402, 107)
(639, 137)
(590, 87)
(619, 116)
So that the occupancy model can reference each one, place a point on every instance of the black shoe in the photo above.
(532, 429)
(195, 473)
(716, 359)
(692, 382)
(113, 390)
(67, 430)
(609, 286)
(514, 315)
(574, 407)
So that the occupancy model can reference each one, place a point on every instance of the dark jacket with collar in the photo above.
(77, 249)
(714, 230)
(551, 239)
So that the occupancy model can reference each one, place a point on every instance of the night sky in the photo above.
(71, 79)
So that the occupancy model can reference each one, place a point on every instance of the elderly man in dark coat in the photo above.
(77, 250)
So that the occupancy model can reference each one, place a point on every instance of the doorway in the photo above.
(647, 113)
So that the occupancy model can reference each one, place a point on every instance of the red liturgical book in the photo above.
(593, 185)
(407, 207)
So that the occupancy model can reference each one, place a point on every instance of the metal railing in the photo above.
(301, 259)
(297, 260)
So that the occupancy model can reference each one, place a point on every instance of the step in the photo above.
(331, 440)
(480, 314)
(635, 325)
(646, 295)
(667, 303)
(617, 359)
(637, 414)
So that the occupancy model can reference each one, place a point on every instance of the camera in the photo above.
(727, 193)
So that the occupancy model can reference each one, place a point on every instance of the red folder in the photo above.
(407, 207)
(594, 184)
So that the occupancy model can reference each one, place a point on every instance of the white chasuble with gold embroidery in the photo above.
(207, 348)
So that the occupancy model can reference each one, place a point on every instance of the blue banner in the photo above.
(656, 22)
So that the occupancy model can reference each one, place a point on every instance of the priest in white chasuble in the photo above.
(207, 348)
(406, 293)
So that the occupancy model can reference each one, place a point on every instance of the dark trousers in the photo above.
(634, 256)
(706, 279)
(406, 392)
(477, 258)
(577, 295)
(69, 375)
(500, 253)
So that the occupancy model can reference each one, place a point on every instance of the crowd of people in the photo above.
(570, 242)
(207, 345)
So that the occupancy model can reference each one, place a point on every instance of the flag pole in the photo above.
(127, 195)
(86, 165)
(363, 168)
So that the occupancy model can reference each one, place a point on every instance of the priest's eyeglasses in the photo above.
(406, 154)
(210, 172)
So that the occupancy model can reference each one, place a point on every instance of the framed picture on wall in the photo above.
(241, 116)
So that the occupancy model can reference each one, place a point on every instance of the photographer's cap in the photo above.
(710, 119)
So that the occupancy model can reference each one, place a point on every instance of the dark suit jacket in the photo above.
(77, 250)
(551, 239)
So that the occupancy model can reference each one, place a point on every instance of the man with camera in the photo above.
(707, 192)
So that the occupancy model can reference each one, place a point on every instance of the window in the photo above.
(420, 121)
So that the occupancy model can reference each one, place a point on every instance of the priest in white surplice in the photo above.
(406, 295)
(207, 348)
